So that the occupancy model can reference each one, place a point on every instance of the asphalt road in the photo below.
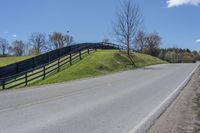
(114, 103)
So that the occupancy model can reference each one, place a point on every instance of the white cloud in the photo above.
(198, 41)
(174, 3)
(14, 36)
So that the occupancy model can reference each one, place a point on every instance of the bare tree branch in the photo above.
(140, 41)
(60, 40)
(127, 23)
(38, 41)
(3, 46)
(18, 47)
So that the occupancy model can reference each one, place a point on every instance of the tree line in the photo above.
(178, 55)
(37, 43)
(150, 44)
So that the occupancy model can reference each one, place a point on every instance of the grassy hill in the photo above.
(100, 63)
(12, 59)
(97, 63)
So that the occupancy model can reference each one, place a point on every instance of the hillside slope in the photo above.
(100, 63)
(12, 59)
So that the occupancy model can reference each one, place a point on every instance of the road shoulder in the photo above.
(181, 116)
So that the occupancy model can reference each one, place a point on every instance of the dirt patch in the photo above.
(182, 115)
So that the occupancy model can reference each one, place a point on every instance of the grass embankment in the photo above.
(12, 59)
(100, 63)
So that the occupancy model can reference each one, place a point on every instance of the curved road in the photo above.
(114, 103)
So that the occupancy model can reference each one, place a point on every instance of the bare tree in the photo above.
(18, 47)
(69, 40)
(127, 23)
(140, 41)
(60, 40)
(38, 41)
(153, 43)
(3, 46)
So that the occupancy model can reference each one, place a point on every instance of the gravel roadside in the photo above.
(181, 116)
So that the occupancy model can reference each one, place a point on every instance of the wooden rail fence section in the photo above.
(45, 64)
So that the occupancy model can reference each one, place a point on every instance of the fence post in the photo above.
(59, 64)
(48, 57)
(17, 67)
(44, 72)
(3, 84)
(33, 61)
(88, 50)
(80, 55)
(26, 79)
(70, 59)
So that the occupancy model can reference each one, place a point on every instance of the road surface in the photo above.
(114, 103)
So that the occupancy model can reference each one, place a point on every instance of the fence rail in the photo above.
(24, 72)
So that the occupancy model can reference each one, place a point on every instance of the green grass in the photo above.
(12, 59)
(100, 63)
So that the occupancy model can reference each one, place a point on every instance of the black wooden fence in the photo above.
(38, 67)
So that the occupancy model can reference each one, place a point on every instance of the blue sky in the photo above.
(177, 21)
